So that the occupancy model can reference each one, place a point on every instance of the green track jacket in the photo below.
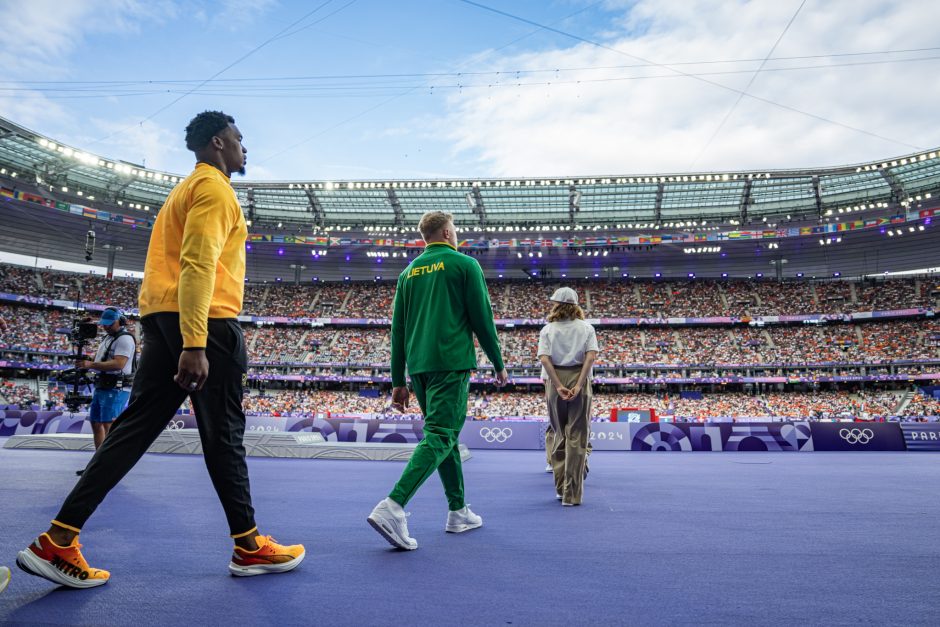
(440, 302)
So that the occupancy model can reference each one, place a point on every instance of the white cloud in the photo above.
(662, 124)
(40, 34)
(147, 144)
(239, 13)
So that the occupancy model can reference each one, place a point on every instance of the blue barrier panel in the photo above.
(921, 436)
(857, 436)
(725, 436)
(530, 434)
(503, 434)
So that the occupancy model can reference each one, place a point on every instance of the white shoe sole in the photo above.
(265, 569)
(389, 534)
(6, 580)
(28, 562)
(461, 528)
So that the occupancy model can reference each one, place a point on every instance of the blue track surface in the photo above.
(703, 538)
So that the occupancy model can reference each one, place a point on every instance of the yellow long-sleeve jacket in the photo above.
(196, 257)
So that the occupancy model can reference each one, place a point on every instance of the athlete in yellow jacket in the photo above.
(193, 346)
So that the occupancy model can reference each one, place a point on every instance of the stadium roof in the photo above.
(625, 200)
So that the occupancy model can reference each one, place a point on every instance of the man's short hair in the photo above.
(204, 127)
(432, 222)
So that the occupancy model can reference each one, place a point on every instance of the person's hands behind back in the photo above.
(502, 378)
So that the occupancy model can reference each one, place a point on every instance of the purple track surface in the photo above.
(670, 538)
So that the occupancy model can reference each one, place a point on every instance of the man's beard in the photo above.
(241, 171)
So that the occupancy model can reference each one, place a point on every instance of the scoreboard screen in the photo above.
(633, 414)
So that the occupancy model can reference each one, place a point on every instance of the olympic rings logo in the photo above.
(495, 434)
(857, 436)
(175, 425)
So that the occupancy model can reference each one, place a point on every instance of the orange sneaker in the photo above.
(270, 557)
(63, 565)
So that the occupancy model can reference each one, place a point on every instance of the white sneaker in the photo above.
(392, 525)
(462, 520)
(548, 468)
(4, 577)
(557, 496)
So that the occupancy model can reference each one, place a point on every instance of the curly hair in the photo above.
(565, 311)
(204, 127)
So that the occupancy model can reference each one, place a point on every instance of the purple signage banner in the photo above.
(27, 422)
(921, 436)
(857, 436)
(726, 436)
(530, 434)
(503, 434)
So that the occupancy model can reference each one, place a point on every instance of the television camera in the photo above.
(79, 334)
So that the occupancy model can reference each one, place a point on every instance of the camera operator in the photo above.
(114, 363)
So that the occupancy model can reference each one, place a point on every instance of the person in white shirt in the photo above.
(567, 350)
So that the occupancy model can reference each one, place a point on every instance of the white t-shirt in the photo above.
(123, 346)
(565, 342)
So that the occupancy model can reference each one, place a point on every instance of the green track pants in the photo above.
(442, 397)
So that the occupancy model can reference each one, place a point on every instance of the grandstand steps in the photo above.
(812, 290)
(858, 335)
(636, 293)
(678, 342)
(333, 342)
(259, 306)
(251, 344)
(724, 298)
(342, 307)
(853, 293)
(905, 401)
(768, 339)
(588, 305)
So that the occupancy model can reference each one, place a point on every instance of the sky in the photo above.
(377, 90)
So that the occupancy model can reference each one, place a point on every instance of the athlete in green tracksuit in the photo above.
(440, 303)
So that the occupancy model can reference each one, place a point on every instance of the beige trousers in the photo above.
(571, 424)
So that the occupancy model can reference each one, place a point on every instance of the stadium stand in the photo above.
(838, 347)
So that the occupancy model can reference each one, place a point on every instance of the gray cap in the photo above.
(564, 295)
